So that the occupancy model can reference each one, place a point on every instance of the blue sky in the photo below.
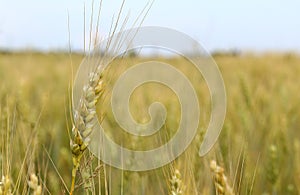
(257, 25)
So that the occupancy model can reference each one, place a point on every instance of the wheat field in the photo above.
(258, 151)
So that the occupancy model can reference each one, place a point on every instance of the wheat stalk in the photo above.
(83, 120)
(84, 115)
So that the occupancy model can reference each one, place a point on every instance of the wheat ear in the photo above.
(5, 186)
(33, 184)
(84, 119)
(221, 182)
(177, 186)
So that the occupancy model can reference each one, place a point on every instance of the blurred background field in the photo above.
(259, 147)
(258, 151)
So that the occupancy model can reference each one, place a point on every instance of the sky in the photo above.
(250, 25)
